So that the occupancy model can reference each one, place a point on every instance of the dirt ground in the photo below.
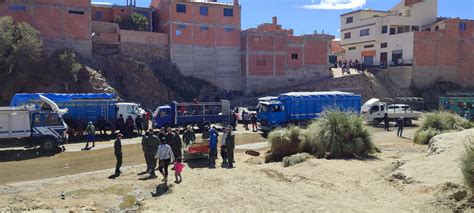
(316, 185)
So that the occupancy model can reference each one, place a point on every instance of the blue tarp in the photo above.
(24, 98)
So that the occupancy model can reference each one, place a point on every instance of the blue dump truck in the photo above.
(192, 113)
(300, 107)
(84, 106)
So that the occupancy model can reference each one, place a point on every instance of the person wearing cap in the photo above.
(118, 154)
(230, 146)
(90, 130)
(189, 136)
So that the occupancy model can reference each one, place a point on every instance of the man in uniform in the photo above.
(151, 143)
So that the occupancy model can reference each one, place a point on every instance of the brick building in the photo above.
(115, 13)
(204, 38)
(273, 57)
(444, 52)
(61, 24)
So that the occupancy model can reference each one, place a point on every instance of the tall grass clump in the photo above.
(339, 134)
(439, 122)
(467, 165)
(295, 159)
(284, 142)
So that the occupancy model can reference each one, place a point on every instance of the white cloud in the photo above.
(335, 5)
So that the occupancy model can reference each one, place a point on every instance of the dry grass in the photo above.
(437, 123)
(467, 165)
(295, 159)
(284, 142)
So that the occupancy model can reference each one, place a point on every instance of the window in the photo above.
(383, 45)
(228, 29)
(352, 48)
(364, 32)
(98, 15)
(204, 11)
(181, 8)
(37, 120)
(436, 28)
(260, 62)
(52, 120)
(294, 56)
(349, 20)
(392, 31)
(181, 26)
(75, 12)
(228, 12)
(369, 46)
(203, 27)
(347, 35)
(17, 8)
(384, 29)
(462, 26)
(415, 28)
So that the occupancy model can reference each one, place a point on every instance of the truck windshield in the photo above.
(263, 108)
(52, 120)
(162, 113)
(277, 108)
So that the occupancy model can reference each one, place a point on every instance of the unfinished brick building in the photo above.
(273, 57)
(444, 52)
(62, 24)
(116, 13)
(204, 39)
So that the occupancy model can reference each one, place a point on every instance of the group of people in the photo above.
(347, 65)
(248, 118)
(400, 124)
(165, 148)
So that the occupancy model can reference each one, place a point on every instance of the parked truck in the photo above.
(460, 103)
(192, 113)
(39, 124)
(85, 106)
(301, 107)
(374, 111)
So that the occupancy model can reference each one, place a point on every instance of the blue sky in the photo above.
(321, 14)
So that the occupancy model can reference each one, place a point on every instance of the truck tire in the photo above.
(48, 144)
(408, 122)
(376, 122)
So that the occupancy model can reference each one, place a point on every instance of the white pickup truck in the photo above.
(374, 111)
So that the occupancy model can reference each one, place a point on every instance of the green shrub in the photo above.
(284, 142)
(295, 159)
(467, 165)
(439, 122)
(310, 139)
(341, 134)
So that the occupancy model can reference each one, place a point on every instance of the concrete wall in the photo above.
(402, 76)
(144, 45)
(445, 55)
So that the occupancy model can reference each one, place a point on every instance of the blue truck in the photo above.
(300, 107)
(84, 106)
(192, 113)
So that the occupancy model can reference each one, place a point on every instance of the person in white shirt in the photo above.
(223, 149)
(165, 156)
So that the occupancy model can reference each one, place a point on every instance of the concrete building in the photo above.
(117, 13)
(273, 57)
(337, 50)
(386, 37)
(204, 38)
(61, 24)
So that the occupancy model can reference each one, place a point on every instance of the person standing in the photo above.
(90, 130)
(178, 169)
(230, 146)
(253, 119)
(176, 145)
(145, 149)
(165, 156)
(223, 147)
(401, 124)
(189, 136)
(145, 123)
(138, 124)
(385, 121)
(130, 126)
(120, 124)
(213, 140)
(118, 154)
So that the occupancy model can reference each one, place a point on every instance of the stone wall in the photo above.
(83, 47)
(144, 45)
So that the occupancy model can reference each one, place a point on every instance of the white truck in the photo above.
(374, 111)
(34, 125)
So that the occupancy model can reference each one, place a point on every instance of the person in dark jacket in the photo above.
(118, 155)
(385, 121)
(174, 141)
(401, 124)
(130, 126)
(145, 123)
(120, 124)
(189, 136)
(230, 146)
(253, 119)
(138, 124)
(150, 144)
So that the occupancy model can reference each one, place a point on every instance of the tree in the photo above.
(19, 44)
(139, 22)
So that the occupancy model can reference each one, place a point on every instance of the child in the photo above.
(178, 167)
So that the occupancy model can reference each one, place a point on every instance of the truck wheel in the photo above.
(48, 145)
(376, 122)
(408, 122)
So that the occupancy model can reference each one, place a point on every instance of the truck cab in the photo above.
(129, 109)
(163, 116)
(271, 114)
